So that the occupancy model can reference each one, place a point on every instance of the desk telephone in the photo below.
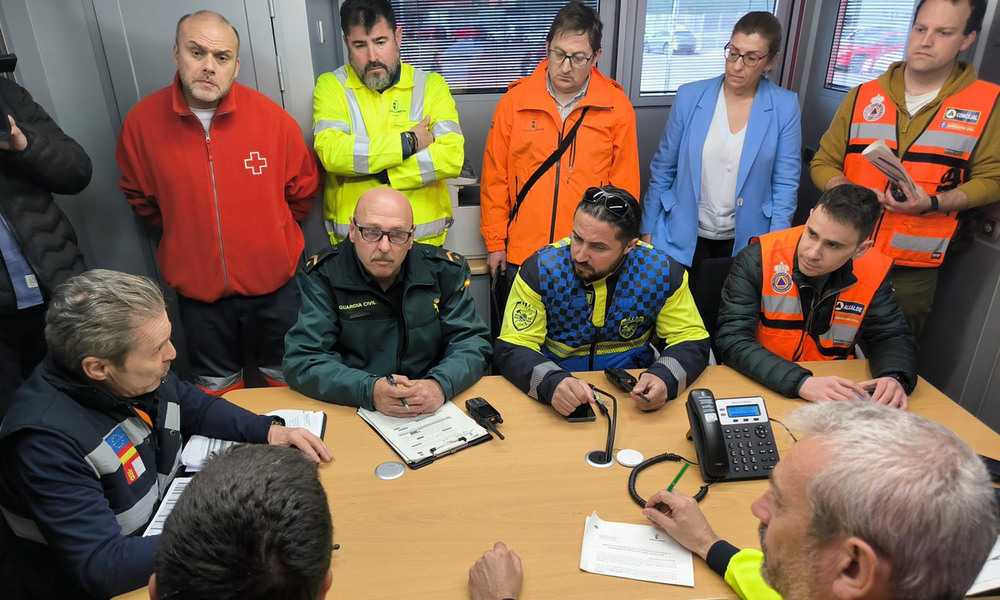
(732, 437)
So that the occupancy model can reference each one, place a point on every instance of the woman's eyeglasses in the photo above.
(750, 60)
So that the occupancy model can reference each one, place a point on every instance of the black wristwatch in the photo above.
(411, 142)
(934, 206)
(277, 421)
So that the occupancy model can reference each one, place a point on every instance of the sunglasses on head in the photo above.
(613, 202)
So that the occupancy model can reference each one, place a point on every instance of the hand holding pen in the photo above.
(389, 396)
(399, 396)
(649, 393)
(679, 516)
(392, 381)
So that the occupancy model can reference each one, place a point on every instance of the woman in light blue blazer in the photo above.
(728, 164)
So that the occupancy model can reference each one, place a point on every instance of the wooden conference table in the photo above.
(417, 536)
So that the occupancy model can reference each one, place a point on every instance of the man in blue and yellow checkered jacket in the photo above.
(601, 298)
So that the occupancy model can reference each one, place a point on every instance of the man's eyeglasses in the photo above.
(614, 203)
(732, 55)
(375, 235)
(577, 61)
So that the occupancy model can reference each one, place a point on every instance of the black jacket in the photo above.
(884, 335)
(74, 495)
(52, 163)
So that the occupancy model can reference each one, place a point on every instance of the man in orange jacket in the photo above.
(563, 129)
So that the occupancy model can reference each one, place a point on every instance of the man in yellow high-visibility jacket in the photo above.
(378, 121)
(848, 515)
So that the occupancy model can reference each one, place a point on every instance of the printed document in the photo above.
(989, 577)
(879, 155)
(177, 486)
(199, 448)
(634, 552)
(420, 438)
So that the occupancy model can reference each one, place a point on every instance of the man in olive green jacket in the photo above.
(386, 323)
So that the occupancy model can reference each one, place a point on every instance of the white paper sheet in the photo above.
(634, 552)
(883, 159)
(199, 448)
(989, 577)
(177, 486)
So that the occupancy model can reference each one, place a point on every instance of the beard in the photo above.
(208, 96)
(793, 578)
(374, 80)
(585, 273)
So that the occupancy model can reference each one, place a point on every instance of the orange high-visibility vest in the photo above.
(782, 327)
(938, 160)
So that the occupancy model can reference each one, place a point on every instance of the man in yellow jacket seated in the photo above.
(378, 122)
(849, 514)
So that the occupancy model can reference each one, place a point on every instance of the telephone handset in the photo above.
(732, 437)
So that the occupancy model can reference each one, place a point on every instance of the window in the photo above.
(683, 40)
(479, 46)
(870, 35)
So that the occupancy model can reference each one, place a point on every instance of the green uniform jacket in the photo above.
(884, 334)
(349, 334)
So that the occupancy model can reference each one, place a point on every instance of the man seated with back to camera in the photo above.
(848, 515)
(811, 293)
(386, 324)
(253, 524)
(601, 298)
(94, 437)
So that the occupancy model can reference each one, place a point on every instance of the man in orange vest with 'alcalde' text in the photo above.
(812, 293)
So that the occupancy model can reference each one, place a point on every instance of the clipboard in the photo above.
(420, 440)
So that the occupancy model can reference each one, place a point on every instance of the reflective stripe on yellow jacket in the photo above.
(783, 329)
(357, 136)
(938, 160)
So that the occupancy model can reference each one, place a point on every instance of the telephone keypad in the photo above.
(751, 454)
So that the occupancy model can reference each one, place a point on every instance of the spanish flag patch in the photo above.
(127, 454)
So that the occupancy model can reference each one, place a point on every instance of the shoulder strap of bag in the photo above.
(545, 166)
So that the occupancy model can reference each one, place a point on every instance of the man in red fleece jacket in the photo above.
(224, 171)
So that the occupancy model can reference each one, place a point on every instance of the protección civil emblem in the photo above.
(628, 327)
(523, 315)
(875, 108)
(781, 281)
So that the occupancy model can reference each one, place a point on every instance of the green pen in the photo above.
(684, 467)
(670, 488)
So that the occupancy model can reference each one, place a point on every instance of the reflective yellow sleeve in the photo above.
(443, 159)
(524, 322)
(679, 320)
(341, 150)
(743, 575)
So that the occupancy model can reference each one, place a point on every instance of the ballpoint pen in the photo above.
(392, 382)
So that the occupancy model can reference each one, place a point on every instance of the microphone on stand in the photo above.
(605, 458)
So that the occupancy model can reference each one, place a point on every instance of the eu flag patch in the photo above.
(126, 453)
